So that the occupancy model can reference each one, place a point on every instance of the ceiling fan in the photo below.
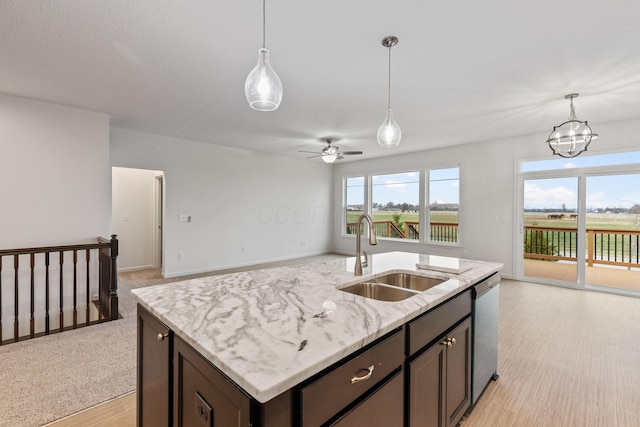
(331, 153)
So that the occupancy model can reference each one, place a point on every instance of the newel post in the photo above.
(113, 278)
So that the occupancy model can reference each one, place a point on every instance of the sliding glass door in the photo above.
(549, 229)
(613, 231)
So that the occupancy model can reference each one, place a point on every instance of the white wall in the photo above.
(274, 207)
(488, 180)
(55, 183)
(134, 208)
(54, 172)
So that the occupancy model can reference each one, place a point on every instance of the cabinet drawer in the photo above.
(429, 326)
(326, 396)
(385, 407)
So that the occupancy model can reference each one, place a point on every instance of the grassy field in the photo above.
(594, 220)
(451, 217)
(611, 221)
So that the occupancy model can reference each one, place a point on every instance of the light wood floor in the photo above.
(567, 358)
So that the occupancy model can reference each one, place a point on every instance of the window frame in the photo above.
(423, 203)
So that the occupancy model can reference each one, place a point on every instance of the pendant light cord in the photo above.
(389, 85)
(264, 22)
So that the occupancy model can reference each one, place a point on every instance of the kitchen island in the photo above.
(269, 331)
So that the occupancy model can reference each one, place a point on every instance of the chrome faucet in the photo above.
(372, 241)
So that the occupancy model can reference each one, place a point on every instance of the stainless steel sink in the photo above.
(410, 281)
(378, 291)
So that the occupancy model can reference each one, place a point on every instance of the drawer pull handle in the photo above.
(448, 342)
(161, 337)
(365, 377)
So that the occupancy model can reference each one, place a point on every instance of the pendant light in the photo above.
(572, 137)
(263, 88)
(389, 133)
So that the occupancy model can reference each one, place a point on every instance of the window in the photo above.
(585, 160)
(354, 202)
(444, 204)
(395, 206)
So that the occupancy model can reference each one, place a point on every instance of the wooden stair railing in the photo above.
(107, 304)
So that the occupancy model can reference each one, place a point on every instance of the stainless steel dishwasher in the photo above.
(484, 335)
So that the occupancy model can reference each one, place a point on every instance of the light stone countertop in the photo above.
(270, 329)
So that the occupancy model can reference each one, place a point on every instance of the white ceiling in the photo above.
(463, 71)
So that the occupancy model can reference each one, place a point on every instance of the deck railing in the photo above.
(50, 305)
(603, 246)
(439, 231)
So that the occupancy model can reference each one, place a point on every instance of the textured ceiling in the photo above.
(463, 71)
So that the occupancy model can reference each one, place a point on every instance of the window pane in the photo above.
(394, 205)
(582, 161)
(354, 202)
(444, 204)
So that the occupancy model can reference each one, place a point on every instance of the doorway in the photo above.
(137, 217)
(580, 227)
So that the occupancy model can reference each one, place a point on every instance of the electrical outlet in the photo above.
(204, 412)
(244, 249)
(180, 255)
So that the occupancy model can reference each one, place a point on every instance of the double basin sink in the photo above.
(393, 287)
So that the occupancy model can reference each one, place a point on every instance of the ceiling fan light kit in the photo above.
(572, 137)
(389, 133)
(331, 153)
(263, 88)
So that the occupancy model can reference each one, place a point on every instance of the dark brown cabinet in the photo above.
(417, 375)
(385, 407)
(154, 398)
(203, 397)
(439, 364)
(324, 397)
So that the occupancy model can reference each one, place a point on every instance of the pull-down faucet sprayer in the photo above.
(372, 241)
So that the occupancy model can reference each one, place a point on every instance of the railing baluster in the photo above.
(61, 291)
(75, 289)
(16, 265)
(47, 326)
(35, 286)
(87, 316)
(32, 320)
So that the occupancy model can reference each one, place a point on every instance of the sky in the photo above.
(612, 191)
(404, 187)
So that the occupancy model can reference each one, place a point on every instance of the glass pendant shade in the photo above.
(263, 88)
(389, 133)
(571, 137)
(329, 158)
(329, 154)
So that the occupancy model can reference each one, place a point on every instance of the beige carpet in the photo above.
(47, 378)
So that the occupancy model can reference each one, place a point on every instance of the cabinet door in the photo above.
(205, 397)
(383, 408)
(426, 388)
(458, 372)
(154, 371)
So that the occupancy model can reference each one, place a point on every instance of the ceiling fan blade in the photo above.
(340, 157)
(350, 153)
(312, 157)
(311, 152)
